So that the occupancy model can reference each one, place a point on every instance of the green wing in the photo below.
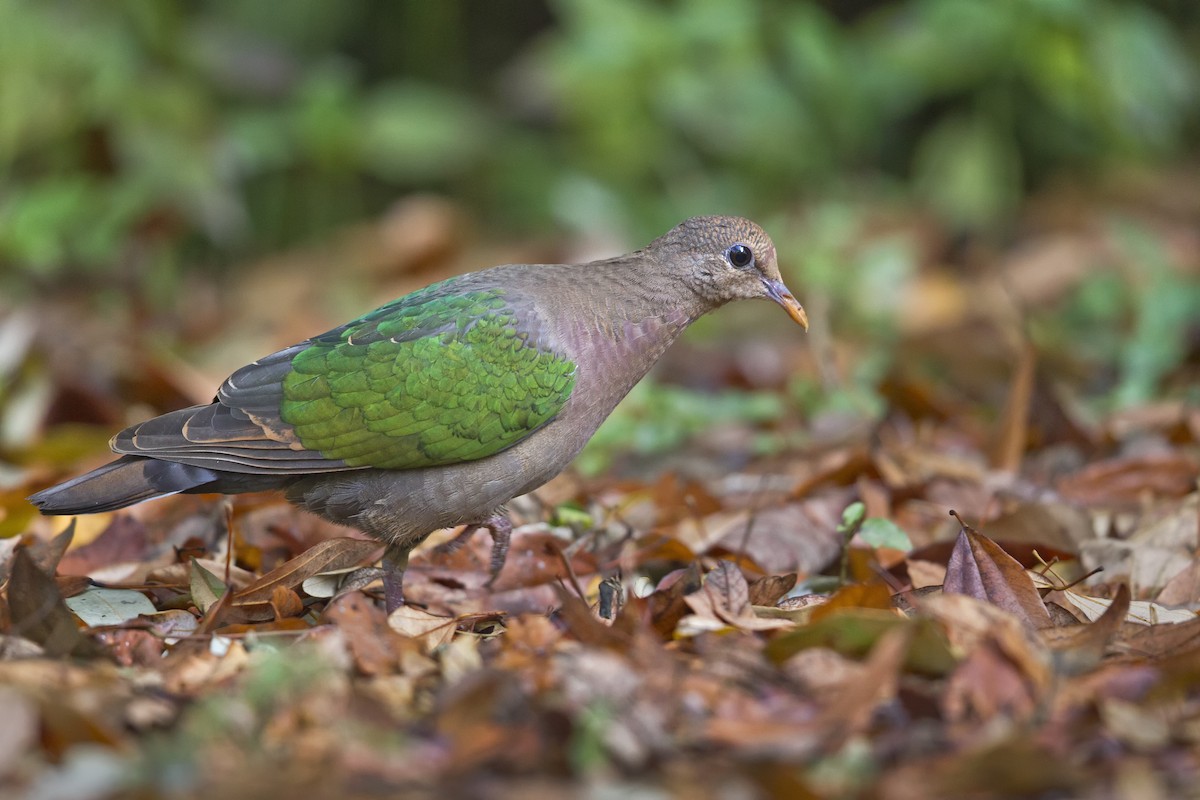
(434, 378)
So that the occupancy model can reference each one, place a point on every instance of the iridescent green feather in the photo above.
(435, 377)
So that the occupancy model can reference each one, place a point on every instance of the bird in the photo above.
(434, 410)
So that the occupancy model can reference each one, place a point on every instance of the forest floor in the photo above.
(764, 603)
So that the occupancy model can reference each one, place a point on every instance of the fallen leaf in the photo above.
(47, 555)
(728, 588)
(1079, 648)
(431, 630)
(853, 632)
(1139, 612)
(124, 540)
(328, 556)
(285, 603)
(855, 595)
(987, 684)
(39, 614)
(667, 605)
(97, 606)
(371, 641)
(1162, 641)
(180, 575)
(1129, 481)
(855, 702)
(206, 587)
(770, 589)
(1184, 588)
(968, 624)
(725, 600)
(979, 568)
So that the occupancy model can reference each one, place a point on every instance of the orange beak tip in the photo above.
(780, 294)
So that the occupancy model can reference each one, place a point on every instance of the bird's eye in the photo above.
(740, 256)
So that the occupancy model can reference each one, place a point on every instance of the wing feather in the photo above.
(435, 377)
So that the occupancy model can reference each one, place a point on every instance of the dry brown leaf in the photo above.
(667, 605)
(770, 589)
(796, 537)
(1079, 648)
(923, 574)
(725, 600)
(855, 595)
(124, 540)
(1183, 589)
(179, 575)
(969, 624)
(1047, 526)
(979, 568)
(1162, 641)
(328, 556)
(728, 588)
(285, 603)
(583, 624)
(372, 643)
(188, 670)
(855, 702)
(38, 613)
(431, 630)
(47, 555)
(1129, 481)
(986, 684)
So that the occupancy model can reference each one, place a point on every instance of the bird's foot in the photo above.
(501, 530)
(455, 544)
(395, 561)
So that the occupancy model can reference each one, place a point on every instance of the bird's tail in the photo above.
(128, 480)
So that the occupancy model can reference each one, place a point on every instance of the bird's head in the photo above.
(727, 258)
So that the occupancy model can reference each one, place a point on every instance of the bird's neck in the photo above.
(620, 321)
(637, 311)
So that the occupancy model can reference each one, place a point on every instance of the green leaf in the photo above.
(852, 517)
(206, 587)
(879, 532)
(572, 515)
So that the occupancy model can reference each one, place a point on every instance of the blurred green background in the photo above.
(143, 143)
(138, 135)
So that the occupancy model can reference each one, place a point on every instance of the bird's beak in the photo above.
(780, 294)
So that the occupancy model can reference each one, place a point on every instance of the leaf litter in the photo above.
(805, 620)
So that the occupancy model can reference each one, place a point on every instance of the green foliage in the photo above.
(1129, 322)
(1166, 305)
(133, 134)
(137, 137)
(657, 419)
(875, 531)
(572, 515)
(737, 103)
(852, 519)
(880, 532)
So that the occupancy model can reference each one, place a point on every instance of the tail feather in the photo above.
(128, 480)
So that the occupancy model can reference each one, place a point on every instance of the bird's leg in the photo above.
(395, 561)
(451, 546)
(501, 528)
